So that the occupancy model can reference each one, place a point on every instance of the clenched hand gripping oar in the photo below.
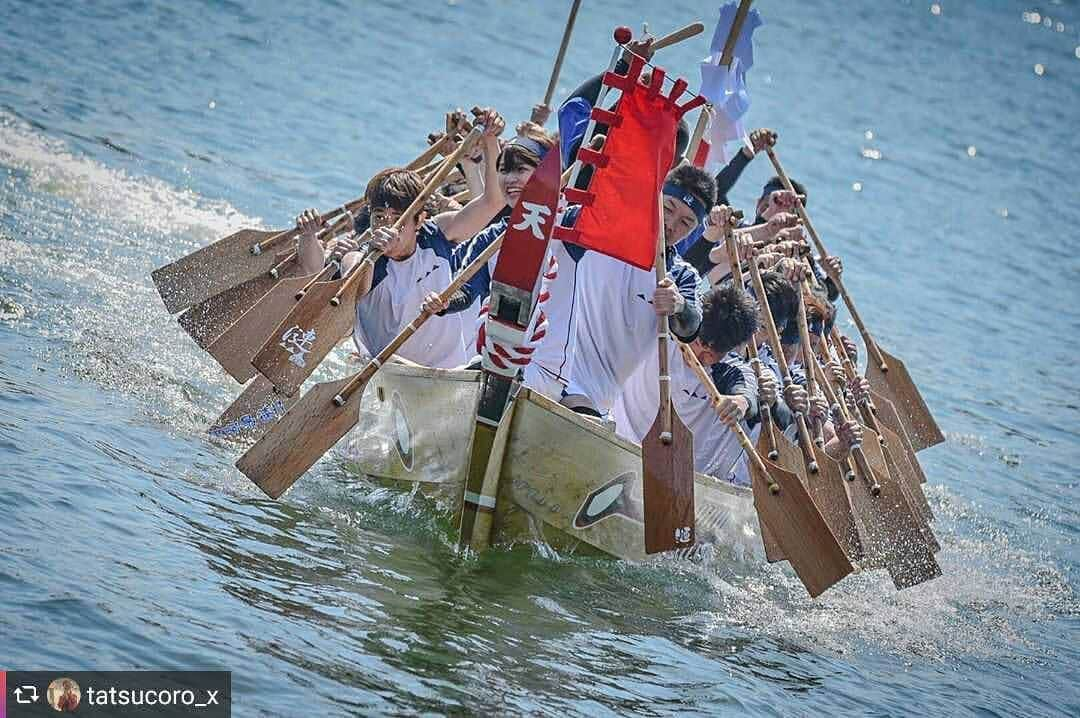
(667, 451)
(887, 374)
(785, 507)
(325, 313)
(326, 412)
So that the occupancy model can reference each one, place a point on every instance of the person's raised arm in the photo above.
(473, 217)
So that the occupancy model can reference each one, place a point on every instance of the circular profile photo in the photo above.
(64, 695)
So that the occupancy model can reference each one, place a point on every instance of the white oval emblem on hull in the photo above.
(402, 431)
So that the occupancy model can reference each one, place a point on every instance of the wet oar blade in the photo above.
(305, 433)
(909, 484)
(830, 496)
(803, 535)
(206, 321)
(897, 386)
(213, 269)
(668, 484)
(891, 533)
(887, 415)
(236, 346)
(253, 412)
(294, 346)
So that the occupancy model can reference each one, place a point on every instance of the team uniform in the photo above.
(396, 298)
(616, 324)
(715, 447)
(551, 362)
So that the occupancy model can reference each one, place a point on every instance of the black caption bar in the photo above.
(123, 694)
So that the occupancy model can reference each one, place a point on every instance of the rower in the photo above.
(618, 303)
(729, 320)
(416, 260)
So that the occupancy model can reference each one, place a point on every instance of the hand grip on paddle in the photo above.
(715, 398)
(388, 351)
(429, 187)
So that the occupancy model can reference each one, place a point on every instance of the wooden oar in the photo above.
(891, 534)
(887, 374)
(667, 451)
(257, 408)
(677, 36)
(326, 312)
(785, 507)
(328, 410)
(227, 262)
(805, 441)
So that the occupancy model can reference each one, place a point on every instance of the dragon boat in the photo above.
(565, 480)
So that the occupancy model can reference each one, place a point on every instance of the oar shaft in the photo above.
(699, 132)
(567, 31)
(840, 414)
(388, 351)
(663, 332)
(801, 208)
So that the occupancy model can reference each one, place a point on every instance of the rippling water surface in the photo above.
(938, 142)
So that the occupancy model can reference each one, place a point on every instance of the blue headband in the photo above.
(696, 206)
(529, 144)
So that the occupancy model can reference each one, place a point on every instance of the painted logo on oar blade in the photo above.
(402, 432)
(613, 498)
(268, 413)
(298, 343)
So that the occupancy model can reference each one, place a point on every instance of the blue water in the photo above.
(941, 155)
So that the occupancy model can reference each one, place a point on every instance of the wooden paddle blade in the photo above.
(213, 269)
(236, 346)
(305, 433)
(794, 521)
(897, 386)
(668, 485)
(206, 321)
(257, 408)
(831, 498)
(897, 462)
(891, 533)
(886, 415)
(306, 335)
(773, 553)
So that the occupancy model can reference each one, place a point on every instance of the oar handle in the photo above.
(270, 242)
(429, 154)
(567, 31)
(683, 33)
(715, 398)
(801, 209)
(736, 29)
(388, 351)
